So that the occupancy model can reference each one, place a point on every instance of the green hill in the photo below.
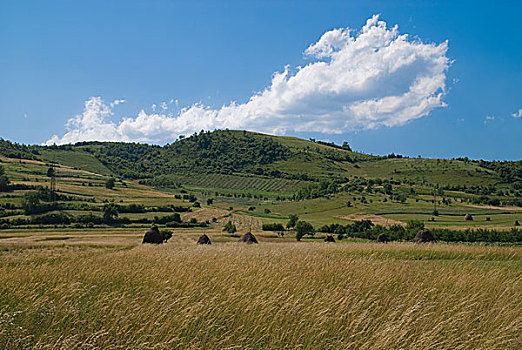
(256, 179)
(247, 161)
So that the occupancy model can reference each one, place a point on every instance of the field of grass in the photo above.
(62, 294)
(240, 184)
(75, 159)
(435, 171)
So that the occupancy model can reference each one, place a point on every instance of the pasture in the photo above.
(103, 289)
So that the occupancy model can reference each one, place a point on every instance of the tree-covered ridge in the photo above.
(225, 152)
(14, 150)
(222, 152)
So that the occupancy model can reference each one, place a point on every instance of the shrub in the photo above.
(273, 227)
(110, 183)
(230, 227)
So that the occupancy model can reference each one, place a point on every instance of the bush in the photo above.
(273, 227)
(110, 183)
(51, 218)
(167, 219)
(230, 227)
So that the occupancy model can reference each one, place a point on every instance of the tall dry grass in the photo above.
(271, 296)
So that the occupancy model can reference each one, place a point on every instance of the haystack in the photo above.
(468, 217)
(383, 238)
(424, 236)
(329, 239)
(248, 238)
(153, 235)
(204, 239)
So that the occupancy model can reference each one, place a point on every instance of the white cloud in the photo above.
(376, 77)
(116, 102)
(517, 114)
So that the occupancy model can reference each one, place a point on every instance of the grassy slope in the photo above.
(75, 159)
(272, 296)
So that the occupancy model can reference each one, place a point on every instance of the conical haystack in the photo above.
(248, 238)
(153, 235)
(204, 239)
(383, 238)
(329, 239)
(424, 236)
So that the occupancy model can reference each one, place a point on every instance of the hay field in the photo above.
(266, 296)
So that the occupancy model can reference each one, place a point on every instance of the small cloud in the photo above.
(116, 102)
(163, 106)
(25, 115)
(153, 107)
(488, 119)
(517, 114)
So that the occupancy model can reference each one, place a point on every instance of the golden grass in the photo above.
(268, 296)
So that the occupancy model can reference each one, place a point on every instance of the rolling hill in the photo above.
(256, 178)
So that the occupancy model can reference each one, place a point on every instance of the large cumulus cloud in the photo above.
(355, 80)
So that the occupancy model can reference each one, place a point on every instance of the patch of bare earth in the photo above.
(376, 219)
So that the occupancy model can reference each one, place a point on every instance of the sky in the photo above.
(429, 78)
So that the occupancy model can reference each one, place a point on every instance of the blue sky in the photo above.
(201, 55)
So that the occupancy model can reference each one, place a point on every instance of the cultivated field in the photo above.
(73, 294)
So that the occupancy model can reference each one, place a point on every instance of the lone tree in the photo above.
(110, 183)
(51, 172)
(304, 228)
(31, 203)
(388, 189)
(4, 181)
(292, 220)
(52, 175)
(110, 213)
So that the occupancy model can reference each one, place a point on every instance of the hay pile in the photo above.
(248, 238)
(383, 238)
(424, 236)
(204, 239)
(153, 236)
(329, 239)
